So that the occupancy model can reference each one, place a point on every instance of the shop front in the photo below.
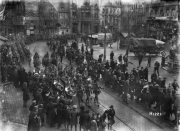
(162, 29)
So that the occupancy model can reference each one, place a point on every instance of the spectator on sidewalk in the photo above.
(74, 117)
(93, 123)
(92, 51)
(26, 96)
(156, 67)
(59, 114)
(34, 122)
(111, 115)
(146, 72)
(82, 48)
(86, 120)
(120, 58)
(149, 61)
(111, 55)
(81, 114)
(140, 57)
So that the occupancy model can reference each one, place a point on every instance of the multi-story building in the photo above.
(111, 16)
(74, 21)
(88, 18)
(85, 19)
(48, 18)
(126, 23)
(32, 17)
(64, 17)
(138, 18)
(14, 17)
(162, 20)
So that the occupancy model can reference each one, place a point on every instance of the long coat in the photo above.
(86, 120)
(73, 118)
(81, 113)
(51, 114)
(66, 116)
(25, 94)
(34, 122)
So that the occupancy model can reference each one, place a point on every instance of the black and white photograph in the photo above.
(89, 65)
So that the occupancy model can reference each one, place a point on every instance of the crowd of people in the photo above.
(55, 86)
(53, 89)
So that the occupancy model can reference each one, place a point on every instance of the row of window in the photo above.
(18, 20)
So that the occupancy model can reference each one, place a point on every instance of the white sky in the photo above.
(102, 2)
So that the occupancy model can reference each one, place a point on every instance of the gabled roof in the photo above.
(55, 4)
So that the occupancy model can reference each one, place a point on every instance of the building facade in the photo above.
(64, 18)
(85, 19)
(125, 18)
(89, 18)
(14, 20)
(32, 18)
(48, 18)
(162, 19)
(74, 21)
(111, 16)
(138, 18)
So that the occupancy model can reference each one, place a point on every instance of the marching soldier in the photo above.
(97, 91)
(80, 93)
(88, 93)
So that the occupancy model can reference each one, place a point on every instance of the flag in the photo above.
(2, 14)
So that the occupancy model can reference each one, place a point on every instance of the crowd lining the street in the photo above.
(54, 87)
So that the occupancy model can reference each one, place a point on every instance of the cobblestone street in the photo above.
(127, 117)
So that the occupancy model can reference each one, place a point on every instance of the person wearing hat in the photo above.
(41, 112)
(175, 85)
(163, 83)
(149, 61)
(59, 114)
(93, 123)
(140, 57)
(74, 117)
(86, 120)
(33, 105)
(111, 115)
(80, 115)
(50, 112)
(34, 122)
(141, 73)
(156, 67)
(146, 72)
(66, 117)
(154, 77)
(38, 96)
(26, 96)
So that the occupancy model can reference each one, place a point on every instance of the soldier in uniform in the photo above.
(80, 93)
(97, 91)
(87, 91)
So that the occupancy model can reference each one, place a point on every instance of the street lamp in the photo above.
(106, 27)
